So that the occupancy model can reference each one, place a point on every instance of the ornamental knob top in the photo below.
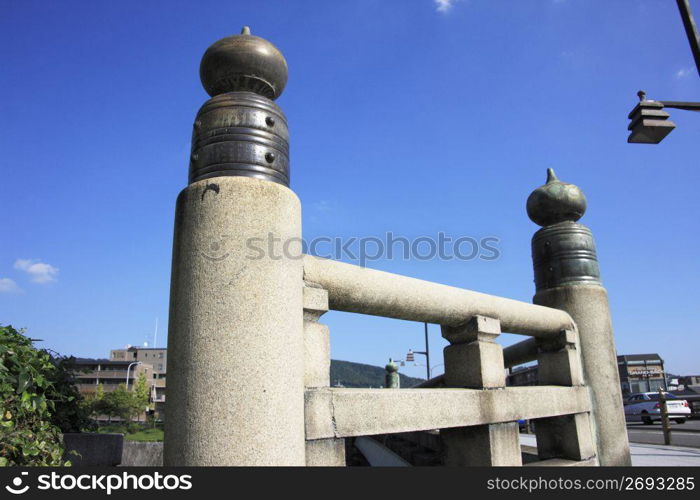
(243, 63)
(556, 201)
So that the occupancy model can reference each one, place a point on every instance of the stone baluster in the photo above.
(567, 436)
(474, 360)
(317, 367)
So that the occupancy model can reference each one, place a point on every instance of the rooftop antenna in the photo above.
(155, 335)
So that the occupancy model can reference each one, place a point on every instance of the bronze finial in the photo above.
(555, 202)
(243, 63)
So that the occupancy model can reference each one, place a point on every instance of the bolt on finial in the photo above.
(245, 30)
(555, 202)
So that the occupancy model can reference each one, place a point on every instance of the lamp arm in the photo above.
(688, 106)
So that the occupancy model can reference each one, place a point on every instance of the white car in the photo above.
(645, 406)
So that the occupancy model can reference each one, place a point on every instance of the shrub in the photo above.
(39, 401)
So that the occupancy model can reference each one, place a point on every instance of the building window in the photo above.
(638, 386)
(160, 355)
(655, 385)
(160, 367)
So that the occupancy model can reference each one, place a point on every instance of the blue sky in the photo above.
(410, 116)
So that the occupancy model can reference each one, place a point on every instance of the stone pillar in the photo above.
(392, 379)
(475, 360)
(235, 342)
(567, 277)
(317, 367)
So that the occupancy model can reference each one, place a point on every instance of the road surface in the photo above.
(687, 434)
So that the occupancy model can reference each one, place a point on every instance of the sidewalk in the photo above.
(649, 454)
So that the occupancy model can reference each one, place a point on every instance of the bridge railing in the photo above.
(476, 413)
(248, 376)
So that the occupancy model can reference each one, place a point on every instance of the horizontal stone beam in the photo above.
(367, 291)
(339, 412)
(520, 353)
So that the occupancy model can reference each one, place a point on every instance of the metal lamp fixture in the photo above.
(649, 122)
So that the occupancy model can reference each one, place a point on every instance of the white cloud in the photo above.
(443, 5)
(323, 206)
(39, 272)
(8, 286)
(683, 72)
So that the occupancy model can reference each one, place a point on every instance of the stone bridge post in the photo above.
(567, 277)
(235, 341)
(391, 378)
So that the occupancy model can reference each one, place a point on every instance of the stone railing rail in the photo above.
(367, 291)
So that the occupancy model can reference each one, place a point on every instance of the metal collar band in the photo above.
(564, 254)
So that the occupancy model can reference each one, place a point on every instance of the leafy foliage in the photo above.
(142, 393)
(72, 411)
(37, 397)
(121, 402)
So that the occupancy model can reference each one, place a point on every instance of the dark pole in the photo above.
(691, 30)
(427, 352)
(664, 417)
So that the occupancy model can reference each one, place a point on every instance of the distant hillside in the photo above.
(349, 374)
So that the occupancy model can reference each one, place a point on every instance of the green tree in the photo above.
(36, 398)
(121, 403)
(142, 394)
(99, 394)
(96, 402)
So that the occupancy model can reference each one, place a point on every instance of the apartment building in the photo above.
(91, 372)
(156, 357)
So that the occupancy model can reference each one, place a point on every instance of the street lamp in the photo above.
(426, 353)
(649, 122)
(128, 368)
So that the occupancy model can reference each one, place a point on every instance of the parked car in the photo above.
(645, 406)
